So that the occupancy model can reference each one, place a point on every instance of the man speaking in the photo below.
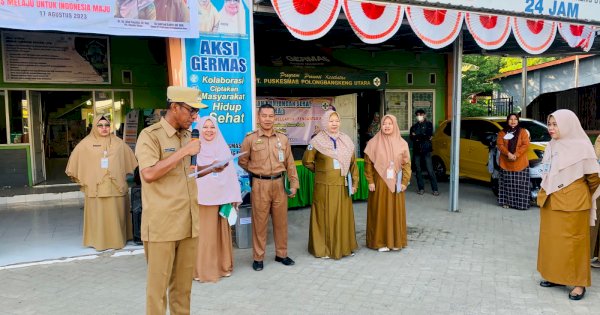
(170, 217)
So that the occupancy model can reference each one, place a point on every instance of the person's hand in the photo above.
(292, 192)
(354, 189)
(511, 156)
(236, 204)
(219, 169)
(403, 187)
(192, 148)
(371, 187)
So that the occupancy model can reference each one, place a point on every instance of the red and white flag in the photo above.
(489, 31)
(534, 36)
(373, 23)
(576, 35)
(436, 28)
(308, 19)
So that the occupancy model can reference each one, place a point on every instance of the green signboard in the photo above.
(322, 78)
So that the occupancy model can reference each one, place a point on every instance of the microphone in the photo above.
(195, 137)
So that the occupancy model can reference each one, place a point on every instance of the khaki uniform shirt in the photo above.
(170, 206)
(263, 156)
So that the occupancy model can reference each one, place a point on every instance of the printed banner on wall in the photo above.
(298, 117)
(219, 63)
(131, 128)
(55, 58)
(161, 18)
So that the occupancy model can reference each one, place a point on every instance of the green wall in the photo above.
(145, 57)
(397, 64)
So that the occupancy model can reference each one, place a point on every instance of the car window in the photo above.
(537, 131)
(464, 129)
(480, 129)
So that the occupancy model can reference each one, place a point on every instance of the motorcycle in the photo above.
(535, 169)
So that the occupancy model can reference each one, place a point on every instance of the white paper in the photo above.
(217, 165)
(232, 216)
(246, 220)
(349, 177)
(336, 164)
(399, 182)
(390, 173)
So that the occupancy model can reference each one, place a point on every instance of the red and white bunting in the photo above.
(489, 31)
(435, 27)
(308, 19)
(576, 35)
(534, 36)
(373, 23)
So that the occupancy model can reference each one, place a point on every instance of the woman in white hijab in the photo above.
(99, 163)
(567, 203)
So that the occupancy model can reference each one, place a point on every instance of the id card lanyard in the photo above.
(336, 163)
(104, 160)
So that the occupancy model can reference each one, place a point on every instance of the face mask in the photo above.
(420, 118)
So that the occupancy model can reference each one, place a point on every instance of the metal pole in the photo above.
(455, 135)
(524, 88)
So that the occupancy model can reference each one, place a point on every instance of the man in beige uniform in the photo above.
(170, 217)
(270, 155)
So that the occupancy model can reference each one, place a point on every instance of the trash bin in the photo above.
(243, 226)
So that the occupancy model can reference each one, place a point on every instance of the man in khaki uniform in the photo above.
(269, 156)
(170, 217)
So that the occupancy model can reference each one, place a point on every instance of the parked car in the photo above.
(475, 136)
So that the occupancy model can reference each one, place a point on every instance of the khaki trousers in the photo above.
(269, 197)
(170, 266)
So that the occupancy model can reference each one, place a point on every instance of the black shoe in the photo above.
(548, 284)
(286, 261)
(577, 297)
(257, 265)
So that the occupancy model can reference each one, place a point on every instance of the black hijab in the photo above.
(512, 143)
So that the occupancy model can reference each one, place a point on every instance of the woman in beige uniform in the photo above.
(99, 163)
(387, 158)
(569, 183)
(330, 155)
(215, 252)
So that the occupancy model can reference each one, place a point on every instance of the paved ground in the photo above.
(479, 261)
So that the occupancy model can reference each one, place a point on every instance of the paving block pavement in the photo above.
(481, 260)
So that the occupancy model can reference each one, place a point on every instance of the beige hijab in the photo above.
(324, 141)
(570, 157)
(84, 162)
(383, 149)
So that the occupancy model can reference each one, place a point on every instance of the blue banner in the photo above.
(219, 63)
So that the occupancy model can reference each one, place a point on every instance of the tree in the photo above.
(510, 64)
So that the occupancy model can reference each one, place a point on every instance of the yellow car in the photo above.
(476, 133)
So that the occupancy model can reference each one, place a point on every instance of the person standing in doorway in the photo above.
(420, 135)
(269, 157)
(99, 164)
(169, 199)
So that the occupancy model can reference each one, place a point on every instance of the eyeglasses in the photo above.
(191, 110)
(103, 125)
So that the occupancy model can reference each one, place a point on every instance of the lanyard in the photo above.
(334, 143)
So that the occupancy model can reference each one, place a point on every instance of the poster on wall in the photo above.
(55, 58)
(219, 63)
(161, 18)
(298, 117)
(131, 128)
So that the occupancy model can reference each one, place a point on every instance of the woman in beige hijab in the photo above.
(99, 164)
(387, 170)
(567, 205)
(330, 155)
(594, 235)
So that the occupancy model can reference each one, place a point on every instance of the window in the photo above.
(403, 105)
(432, 78)
(409, 78)
(14, 124)
(481, 129)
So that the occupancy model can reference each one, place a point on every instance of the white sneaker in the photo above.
(325, 257)
(384, 249)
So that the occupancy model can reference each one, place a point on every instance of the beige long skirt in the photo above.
(215, 250)
(106, 222)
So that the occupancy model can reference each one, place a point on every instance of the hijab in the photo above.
(383, 149)
(219, 188)
(512, 143)
(84, 163)
(336, 146)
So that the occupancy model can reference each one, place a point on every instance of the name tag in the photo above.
(170, 150)
(104, 163)
(336, 164)
(390, 173)
(281, 159)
